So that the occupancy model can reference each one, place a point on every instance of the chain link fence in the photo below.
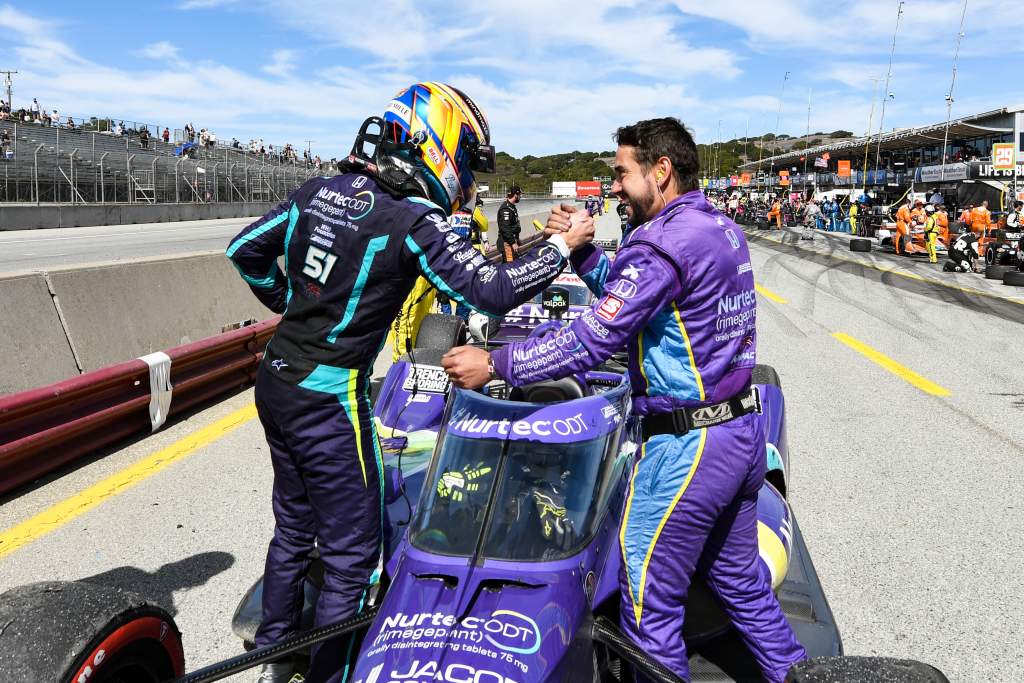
(90, 164)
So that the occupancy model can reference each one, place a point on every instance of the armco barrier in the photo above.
(43, 429)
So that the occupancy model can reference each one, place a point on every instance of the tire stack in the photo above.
(1008, 274)
(860, 244)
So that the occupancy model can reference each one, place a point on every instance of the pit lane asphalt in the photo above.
(33, 250)
(910, 503)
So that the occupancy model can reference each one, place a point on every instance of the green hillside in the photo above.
(535, 174)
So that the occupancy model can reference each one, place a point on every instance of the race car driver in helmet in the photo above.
(353, 246)
(680, 297)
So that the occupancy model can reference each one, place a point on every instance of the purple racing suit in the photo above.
(352, 253)
(680, 297)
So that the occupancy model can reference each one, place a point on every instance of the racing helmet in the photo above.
(929, 208)
(450, 139)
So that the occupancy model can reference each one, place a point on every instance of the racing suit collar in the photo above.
(693, 199)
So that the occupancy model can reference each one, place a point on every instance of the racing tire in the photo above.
(761, 225)
(990, 256)
(68, 632)
(860, 244)
(424, 356)
(765, 374)
(1014, 278)
(948, 266)
(902, 243)
(994, 272)
(438, 331)
(823, 669)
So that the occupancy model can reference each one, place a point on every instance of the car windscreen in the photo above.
(531, 482)
(549, 500)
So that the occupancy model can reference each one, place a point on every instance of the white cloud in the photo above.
(162, 51)
(282, 63)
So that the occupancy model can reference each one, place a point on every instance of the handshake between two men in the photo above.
(470, 367)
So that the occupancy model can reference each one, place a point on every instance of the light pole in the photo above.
(885, 93)
(867, 136)
(8, 83)
(778, 119)
(949, 97)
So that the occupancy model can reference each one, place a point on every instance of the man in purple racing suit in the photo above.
(680, 297)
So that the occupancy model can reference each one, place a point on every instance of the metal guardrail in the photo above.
(46, 428)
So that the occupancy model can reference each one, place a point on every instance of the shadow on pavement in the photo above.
(159, 586)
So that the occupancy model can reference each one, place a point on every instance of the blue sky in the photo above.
(551, 76)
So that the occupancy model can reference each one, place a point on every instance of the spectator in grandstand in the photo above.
(166, 135)
(144, 138)
(190, 132)
(35, 108)
(71, 123)
(119, 129)
(211, 139)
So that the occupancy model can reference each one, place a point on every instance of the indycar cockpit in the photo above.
(521, 481)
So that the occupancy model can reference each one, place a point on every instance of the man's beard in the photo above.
(641, 208)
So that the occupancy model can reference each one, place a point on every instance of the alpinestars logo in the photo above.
(278, 364)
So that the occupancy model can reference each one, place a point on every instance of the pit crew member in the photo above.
(931, 233)
(963, 254)
(353, 246)
(508, 224)
(680, 296)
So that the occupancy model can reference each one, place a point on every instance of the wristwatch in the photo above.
(490, 367)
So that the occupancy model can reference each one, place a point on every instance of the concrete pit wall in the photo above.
(35, 350)
(75, 216)
(112, 313)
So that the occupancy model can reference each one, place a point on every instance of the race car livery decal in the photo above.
(583, 419)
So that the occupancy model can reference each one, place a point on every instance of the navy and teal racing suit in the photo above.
(352, 252)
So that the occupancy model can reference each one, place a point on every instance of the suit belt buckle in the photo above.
(681, 421)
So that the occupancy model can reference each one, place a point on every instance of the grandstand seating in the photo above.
(50, 164)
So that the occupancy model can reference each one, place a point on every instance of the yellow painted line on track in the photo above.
(770, 295)
(900, 273)
(903, 372)
(63, 512)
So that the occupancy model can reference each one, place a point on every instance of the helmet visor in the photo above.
(482, 160)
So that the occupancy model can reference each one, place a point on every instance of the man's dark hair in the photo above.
(665, 137)
(514, 190)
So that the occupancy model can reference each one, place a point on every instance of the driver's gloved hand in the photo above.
(455, 486)
(555, 524)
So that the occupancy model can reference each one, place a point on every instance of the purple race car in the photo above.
(501, 551)
(502, 559)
